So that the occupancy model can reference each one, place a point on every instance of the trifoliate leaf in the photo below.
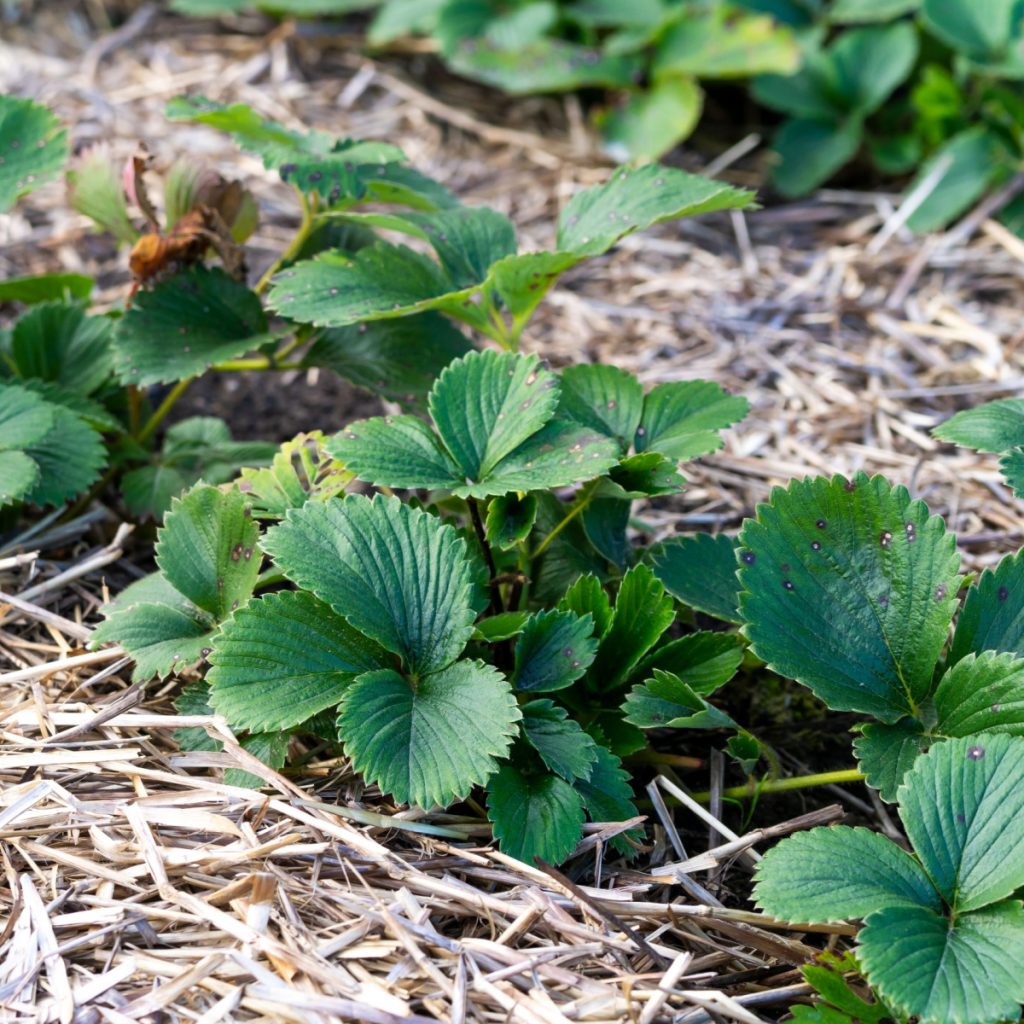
(936, 970)
(850, 588)
(701, 571)
(603, 398)
(666, 701)
(682, 419)
(704, 661)
(301, 471)
(428, 742)
(962, 806)
(396, 359)
(554, 649)
(885, 753)
(563, 746)
(207, 549)
(282, 658)
(992, 618)
(33, 148)
(510, 519)
(186, 324)
(643, 611)
(46, 288)
(839, 873)
(635, 198)
(992, 427)
(396, 573)
(534, 815)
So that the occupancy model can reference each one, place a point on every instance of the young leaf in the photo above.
(46, 288)
(838, 873)
(605, 521)
(207, 550)
(704, 661)
(682, 419)
(643, 611)
(431, 741)
(603, 398)
(554, 649)
(396, 573)
(666, 701)
(962, 806)
(563, 746)
(57, 342)
(936, 970)
(33, 148)
(849, 588)
(534, 815)
(510, 519)
(185, 325)
(502, 626)
(587, 597)
(991, 619)
(282, 658)
(701, 571)
(635, 198)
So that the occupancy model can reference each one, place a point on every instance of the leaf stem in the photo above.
(582, 501)
(164, 408)
(256, 363)
(305, 227)
(481, 536)
(757, 787)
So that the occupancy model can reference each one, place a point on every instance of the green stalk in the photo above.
(757, 788)
(256, 363)
(306, 226)
(164, 408)
(582, 501)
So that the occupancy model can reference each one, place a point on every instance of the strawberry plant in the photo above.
(383, 315)
(942, 936)
(501, 635)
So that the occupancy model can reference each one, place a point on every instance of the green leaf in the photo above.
(724, 44)
(608, 796)
(846, 12)
(91, 411)
(643, 611)
(269, 747)
(301, 471)
(666, 701)
(653, 121)
(700, 570)
(207, 549)
(992, 618)
(682, 419)
(704, 661)
(377, 282)
(839, 873)
(809, 152)
(95, 190)
(186, 324)
(397, 18)
(502, 626)
(160, 638)
(646, 475)
(1012, 467)
(745, 750)
(534, 815)
(431, 741)
(849, 588)
(976, 30)
(635, 198)
(605, 521)
(587, 597)
(522, 281)
(973, 158)
(57, 342)
(831, 984)
(396, 573)
(991, 427)
(554, 649)
(547, 65)
(194, 700)
(33, 148)
(46, 288)
(510, 519)
(885, 753)
(487, 404)
(396, 359)
(603, 398)
(18, 475)
(24, 417)
(962, 807)
(563, 746)
(149, 490)
(869, 63)
(935, 970)
(980, 694)
(70, 458)
(284, 657)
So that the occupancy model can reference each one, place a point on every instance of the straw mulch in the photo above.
(140, 887)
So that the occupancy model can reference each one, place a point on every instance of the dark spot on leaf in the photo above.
(849, 486)
(883, 600)
(234, 604)
(940, 591)
(960, 818)
(748, 558)
(821, 524)
(314, 176)
(205, 652)
(236, 552)
(975, 753)
(995, 707)
(1003, 594)
(568, 652)
(287, 169)
(885, 538)
(815, 545)
(247, 554)
(787, 585)
(785, 567)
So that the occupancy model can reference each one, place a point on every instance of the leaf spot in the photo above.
(821, 524)
(1003, 594)
(748, 558)
(911, 532)
(975, 753)
(883, 600)
(236, 552)
(940, 591)
(815, 545)
(885, 539)
(787, 585)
